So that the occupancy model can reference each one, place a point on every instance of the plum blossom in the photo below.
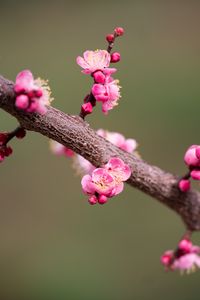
(107, 93)
(32, 95)
(106, 182)
(93, 61)
(192, 160)
(184, 258)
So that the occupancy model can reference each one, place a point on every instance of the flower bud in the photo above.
(119, 31)
(195, 174)
(102, 199)
(190, 157)
(184, 185)
(22, 102)
(86, 108)
(115, 57)
(99, 77)
(110, 38)
(92, 200)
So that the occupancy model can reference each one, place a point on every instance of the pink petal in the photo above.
(87, 185)
(81, 62)
(118, 169)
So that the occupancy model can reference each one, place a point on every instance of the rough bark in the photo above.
(77, 135)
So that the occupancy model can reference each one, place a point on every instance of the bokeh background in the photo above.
(53, 245)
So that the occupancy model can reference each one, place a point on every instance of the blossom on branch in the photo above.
(106, 182)
(192, 160)
(93, 61)
(185, 258)
(32, 95)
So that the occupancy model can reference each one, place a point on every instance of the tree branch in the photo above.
(76, 134)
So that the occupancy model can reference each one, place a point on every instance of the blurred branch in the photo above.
(76, 134)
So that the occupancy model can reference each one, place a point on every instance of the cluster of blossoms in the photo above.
(32, 95)
(192, 160)
(5, 137)
(105, 89)
(185, 258)
(106, 182)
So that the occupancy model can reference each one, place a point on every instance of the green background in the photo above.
(53, 245)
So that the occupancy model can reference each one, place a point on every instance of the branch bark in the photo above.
(76, 134)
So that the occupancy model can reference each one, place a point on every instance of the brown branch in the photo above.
(77, 135)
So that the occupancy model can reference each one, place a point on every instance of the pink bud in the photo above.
(68, 152)
(102, 199)
(22, 101)
(185, 245)
(198, 152)
(110, 38)
(195, 174)
(115, 57)
(92, 200)
(21, 133)
(119, 31)
(39, 93)
(99, 77)
(184, 185)
(190, 157)
(86, 108)
(166, 258)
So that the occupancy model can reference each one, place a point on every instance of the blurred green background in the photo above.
(53, 244)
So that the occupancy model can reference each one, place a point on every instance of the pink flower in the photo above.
(93, 61)
(106, 182)
(100, 182)
(59, 150)
(188, 262)
(184, 258)
(118, 169)
(108, 94)
(31, 95)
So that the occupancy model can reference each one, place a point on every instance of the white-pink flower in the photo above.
(118, 169)
(93, 61)
(100, 182)
(32, 95)
(187, 262)
(184, 258)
